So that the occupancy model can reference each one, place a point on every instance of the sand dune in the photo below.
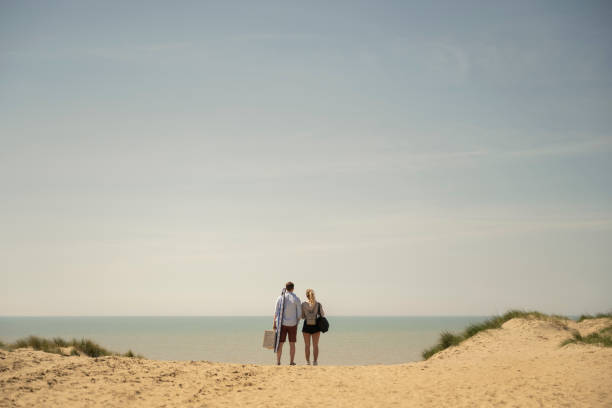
(519, 365)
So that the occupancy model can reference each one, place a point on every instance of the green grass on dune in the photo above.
(602, 338)
(597, 316)
(448, 339)
(83, 346)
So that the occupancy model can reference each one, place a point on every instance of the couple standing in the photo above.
(289, 310)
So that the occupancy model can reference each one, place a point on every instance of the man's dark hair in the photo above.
(289, 285)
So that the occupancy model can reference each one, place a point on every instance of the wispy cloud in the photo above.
(565, 149)
(274, 36)
(132, 51)
(136, 50)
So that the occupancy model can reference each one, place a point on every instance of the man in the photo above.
(292, 313)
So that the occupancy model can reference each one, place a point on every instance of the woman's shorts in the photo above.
(291, 331)
(306, 328)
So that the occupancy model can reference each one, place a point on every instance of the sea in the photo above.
(351, 340)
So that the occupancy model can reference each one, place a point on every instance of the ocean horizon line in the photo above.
(262, 316)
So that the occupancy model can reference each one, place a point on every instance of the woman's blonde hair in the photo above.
(311, 296)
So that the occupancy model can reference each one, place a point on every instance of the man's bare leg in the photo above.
(279, 353)
(292, 350)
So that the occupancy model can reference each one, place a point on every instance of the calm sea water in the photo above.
(350, 341)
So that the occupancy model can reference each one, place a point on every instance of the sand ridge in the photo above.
(519, 365)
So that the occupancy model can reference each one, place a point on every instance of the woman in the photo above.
(310, 310)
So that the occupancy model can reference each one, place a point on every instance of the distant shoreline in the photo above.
(573, 317)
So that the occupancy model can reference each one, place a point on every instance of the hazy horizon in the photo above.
(267, 316)
(423, 158)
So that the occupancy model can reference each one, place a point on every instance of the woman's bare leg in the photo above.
(315, 345)
(307, 345)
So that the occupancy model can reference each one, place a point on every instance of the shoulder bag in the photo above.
(322, 322)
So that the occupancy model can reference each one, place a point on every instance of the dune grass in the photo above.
(597, 316)
(79, 347)
(602, 338)
(448, 339)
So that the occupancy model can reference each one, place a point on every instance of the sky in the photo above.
(400, 158)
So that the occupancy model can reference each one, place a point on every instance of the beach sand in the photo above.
(519, 365)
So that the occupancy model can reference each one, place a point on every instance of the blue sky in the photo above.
(398, 157)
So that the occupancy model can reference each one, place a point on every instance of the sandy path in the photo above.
(520, 365)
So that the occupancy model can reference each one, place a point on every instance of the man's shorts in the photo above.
(291, 331)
